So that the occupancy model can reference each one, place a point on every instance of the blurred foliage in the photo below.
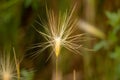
(8, 21)
(12, 13)
(27, 75)
(113, 34)
(112, 45)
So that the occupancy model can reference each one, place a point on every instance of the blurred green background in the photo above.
(102, 63)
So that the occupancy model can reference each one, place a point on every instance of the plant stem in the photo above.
(56, 68)
(74, 74)
(17, 65)
(18, 71)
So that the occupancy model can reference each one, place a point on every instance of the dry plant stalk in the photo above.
(59, 32)
(74, 74)
(17, 63)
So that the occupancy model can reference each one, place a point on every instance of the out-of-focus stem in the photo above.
(57, 52)
(56, 69)
(18, 71)
(74, 74)
(90, 8)
(17, 65)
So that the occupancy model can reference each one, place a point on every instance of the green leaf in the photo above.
(27, 75)
(100, 45)
(116, 30)
(114, 18)
(112, 37)
(27, 3)
(116, 53)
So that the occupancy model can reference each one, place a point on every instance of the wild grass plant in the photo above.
(63, 36)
